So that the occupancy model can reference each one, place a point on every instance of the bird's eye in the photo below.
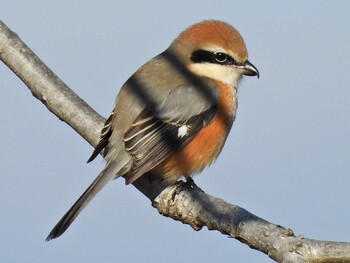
(221, 57)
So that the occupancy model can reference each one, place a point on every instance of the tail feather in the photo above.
(101, 180)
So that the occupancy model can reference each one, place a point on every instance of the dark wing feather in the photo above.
(104, 138)
(150, 139)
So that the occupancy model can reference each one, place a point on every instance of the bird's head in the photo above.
(216, 50)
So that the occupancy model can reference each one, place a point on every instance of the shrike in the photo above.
(173, 115)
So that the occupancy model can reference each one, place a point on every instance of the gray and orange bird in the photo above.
(173, 115)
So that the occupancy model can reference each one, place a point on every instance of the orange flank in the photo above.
(206, 145)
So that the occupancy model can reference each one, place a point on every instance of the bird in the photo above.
(173, 115)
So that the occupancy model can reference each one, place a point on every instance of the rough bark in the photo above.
(184, 201)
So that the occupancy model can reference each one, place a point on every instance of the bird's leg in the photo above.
(189, 182)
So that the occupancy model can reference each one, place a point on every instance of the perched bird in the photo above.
(173, 115)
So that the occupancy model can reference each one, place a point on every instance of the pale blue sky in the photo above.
(287, 158)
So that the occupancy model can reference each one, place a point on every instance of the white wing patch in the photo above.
(182, 131)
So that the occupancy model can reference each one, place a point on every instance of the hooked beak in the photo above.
(248, 69)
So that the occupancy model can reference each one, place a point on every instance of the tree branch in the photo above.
(182, 201)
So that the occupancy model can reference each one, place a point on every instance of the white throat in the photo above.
(223, 73)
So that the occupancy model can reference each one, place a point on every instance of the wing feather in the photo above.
(106, 133)
(150, 145)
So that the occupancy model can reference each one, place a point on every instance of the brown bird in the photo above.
(173, 115)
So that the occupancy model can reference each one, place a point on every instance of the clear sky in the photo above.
(287, 158)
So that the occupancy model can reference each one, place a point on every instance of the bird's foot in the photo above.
(190, 183)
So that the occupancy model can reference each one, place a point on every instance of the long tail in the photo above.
(101, 180)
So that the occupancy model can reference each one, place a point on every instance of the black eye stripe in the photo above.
(201, 56)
